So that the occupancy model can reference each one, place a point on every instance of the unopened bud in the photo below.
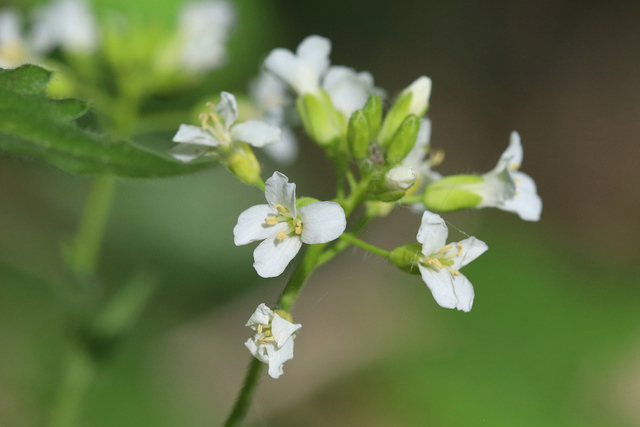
(404, 139)
(407, 257)
(373, 111)
(243, 163)
(358, 135)
(392, 185)
(321, 121)
(413, 100)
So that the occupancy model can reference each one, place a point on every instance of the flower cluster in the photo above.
(382, 160)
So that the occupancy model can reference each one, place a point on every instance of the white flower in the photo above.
(302, 70)
(509, 189)
(68, 24)
(400, 178)
(420, 92)
(441, 262)
(273, 102)
(283, 228)
(13, 51)
(348, 89)
(204, 28)
(273, 341)
(219, 130)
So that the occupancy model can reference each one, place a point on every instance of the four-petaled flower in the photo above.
(272, 342)
(440, 262)
(220, 131)
(521, 196)
(283, 228)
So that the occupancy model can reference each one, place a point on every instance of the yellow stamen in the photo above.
(445, 248)
(271, 220)
(259, 328)
(460, 249)
(282, 235)
(454, 272)
(437, 263)
(298, 226)
(437, 157)
(514, 167)
(281, 209)
(210, 104)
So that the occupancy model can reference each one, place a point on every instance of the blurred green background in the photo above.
(554, 335)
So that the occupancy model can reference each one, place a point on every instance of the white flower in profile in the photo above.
(440, 263)
(302, 70)
(283, 228)
(204, 28)
(273, 103)
(68, 24)
(509, 189)
(417, 157)
(13, 51)
(219, 131)
(272, 342)
(348, 89)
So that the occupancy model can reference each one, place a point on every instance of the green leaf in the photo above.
(36, 127)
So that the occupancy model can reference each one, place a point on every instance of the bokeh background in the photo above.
(554, 335)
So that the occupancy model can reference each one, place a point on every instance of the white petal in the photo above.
(65, 23)
(283, 63)
(432, 233)
(269, 93)
(227, 108)
(187, 152)
(441, 285)
(10, 27)
(322, 222)
(278, 190)
(257, 350)
(464, 292)
(282, 329)
(472, 248)
(204, 27)
(513, 152)
(252, 227)
(285, 151)
(278, 356)
(272, 256)
(420, 93)
(256, 133)
(195, 135)
(314, 52)
(526, 203)
(498, 185)
(262, 315)
(348, 90)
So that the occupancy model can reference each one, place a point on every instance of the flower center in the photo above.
(295, 224)
(443, 259)
(212, 123)
(265, 335)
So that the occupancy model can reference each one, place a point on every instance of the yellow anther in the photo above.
(460, 249)
(204, 118)
(259, 328)
(428, 260)
(445, 248)
(272, 220)
(282, 235)
(454, 272)
(437, 157)
(266, 340)
(517, 180)
(514, 167)
(210, 105)
(281, 209)
(298, 226)
(437, 263)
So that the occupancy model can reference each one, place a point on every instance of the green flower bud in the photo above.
(321, 121)
(391, 184)
(413, 100)
(407, 257)
(358, 135)
(243, 163)
(373, 111)
(453, 193)
(404, 139)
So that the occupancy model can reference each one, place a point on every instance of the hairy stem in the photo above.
(243, 402)
(350, 238)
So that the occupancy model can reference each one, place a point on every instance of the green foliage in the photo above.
(36, 127)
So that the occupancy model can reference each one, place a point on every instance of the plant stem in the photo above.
(364, 245)
(94, 220)
(77, 376)
(243, 402)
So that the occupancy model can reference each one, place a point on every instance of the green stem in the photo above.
(411, 200)
(77, 376)
(241, 407)
(330, 253)
(350, 238)
(94, 220)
